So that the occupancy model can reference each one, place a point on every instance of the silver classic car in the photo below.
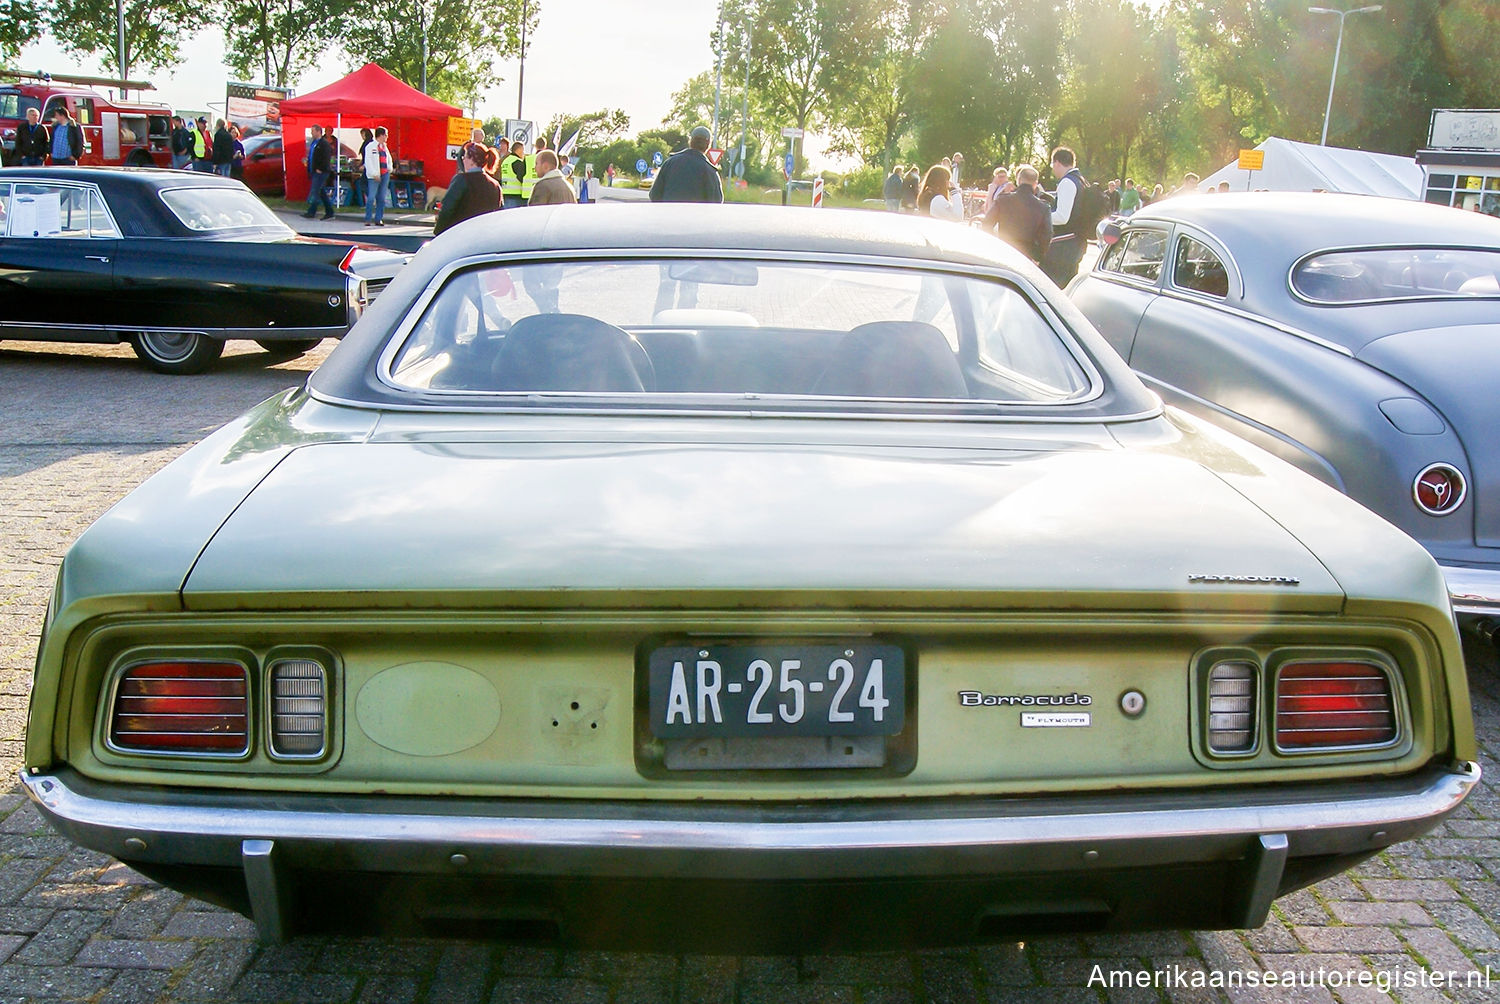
(1357, 338)
(738, 576)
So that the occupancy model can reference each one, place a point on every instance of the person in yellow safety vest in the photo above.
(529, 182)
(510, 181)
(202, 147)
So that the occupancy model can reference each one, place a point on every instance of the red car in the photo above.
(263, 171)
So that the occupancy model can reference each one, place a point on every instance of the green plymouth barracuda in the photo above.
(763, 578)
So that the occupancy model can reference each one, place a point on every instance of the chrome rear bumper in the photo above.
(1473, 590)
(268, 836)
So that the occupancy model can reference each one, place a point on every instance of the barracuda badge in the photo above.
(1199, 578)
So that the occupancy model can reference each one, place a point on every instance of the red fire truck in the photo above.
(132, 133)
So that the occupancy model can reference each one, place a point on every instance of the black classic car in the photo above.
(173, 262)
(1352, 336)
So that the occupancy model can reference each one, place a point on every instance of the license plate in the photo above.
(777, 690)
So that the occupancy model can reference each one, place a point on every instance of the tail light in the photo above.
(298, 709)
(1231, 707)
(1333, 705)
(197, 708)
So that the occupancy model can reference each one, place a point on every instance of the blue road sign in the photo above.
(656, 159)
(791, 162)
(640, 166)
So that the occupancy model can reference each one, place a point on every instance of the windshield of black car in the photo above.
(13, 104)
(220, 209)
(718, 328)
(1361, 276)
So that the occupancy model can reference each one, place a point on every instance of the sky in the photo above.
(585, 55)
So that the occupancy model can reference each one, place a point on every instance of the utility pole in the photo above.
(745, 106)
(718, 73)
(521, 77)
(120, 44)
(1338, 47)
(422, 15)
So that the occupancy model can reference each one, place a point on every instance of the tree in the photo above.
(466, 39)
(1107, 99)
(795, 49)
(21, 23)
(871, 99)
(279, 39)
(154, 31)
(595, 130)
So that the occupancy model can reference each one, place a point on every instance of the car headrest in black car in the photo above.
(567, 352)
(893, 359)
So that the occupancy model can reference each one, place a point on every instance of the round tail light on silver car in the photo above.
(1439, 489)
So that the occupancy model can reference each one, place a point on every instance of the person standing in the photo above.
(910, 186)
(1189, 185)
(182, 143)
(552, 188)
(528, 180)
(936, 198)
(687, 176)
(1020, 218)
(237, 161)
(609, 176)
(32, 141)
(1113, 195)
(202, 147)
(892, 190)
(377, 171)
(512, 176)
(67, 138)
(223, 149)
(1066, 250)
(1130, 198)
(999, 185)
(473, 192)
(319, 166)
(958, 169)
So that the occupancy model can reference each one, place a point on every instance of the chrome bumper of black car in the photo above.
(1473, 590)
(270, 837)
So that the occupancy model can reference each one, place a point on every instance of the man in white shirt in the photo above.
(1066, 250)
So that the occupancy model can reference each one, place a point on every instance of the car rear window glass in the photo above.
(1197, 268)
(716, 329)
(1397, 274)
(219, 209)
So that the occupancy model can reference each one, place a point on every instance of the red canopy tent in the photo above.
(368, 97)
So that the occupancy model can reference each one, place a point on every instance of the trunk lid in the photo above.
(477, 524)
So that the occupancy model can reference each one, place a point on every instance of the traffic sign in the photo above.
(792, 132)
(656, 159)
(459, 130)
(640, 166)
(790, 163)
(714, 156)
(520, 130)
(1252, 160)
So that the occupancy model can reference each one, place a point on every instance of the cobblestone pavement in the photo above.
(81, 425)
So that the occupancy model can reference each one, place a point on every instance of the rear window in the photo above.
(721, 331)
(1397, 274)
(219, 209)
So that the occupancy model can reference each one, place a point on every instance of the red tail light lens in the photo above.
(1332, 705)
(182, 707)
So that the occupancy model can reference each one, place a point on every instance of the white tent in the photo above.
(1304, 167)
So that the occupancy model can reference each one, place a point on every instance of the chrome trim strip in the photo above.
(561, 836)
(1473, 590)
(56, 332)
(403, 331)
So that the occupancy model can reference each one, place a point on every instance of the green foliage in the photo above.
(466, 40)
(21, 23)
(154, 31)
(595, 130)
(276, 40)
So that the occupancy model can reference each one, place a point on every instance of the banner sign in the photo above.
(254, 108)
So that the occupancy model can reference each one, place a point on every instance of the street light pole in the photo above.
(718, 74)
(1338, 47)
(745, 105)
(422, 19)
(521, 76)
(120, 41)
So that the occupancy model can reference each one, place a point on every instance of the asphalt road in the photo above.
(82, 425)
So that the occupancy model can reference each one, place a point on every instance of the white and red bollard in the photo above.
(817, 193)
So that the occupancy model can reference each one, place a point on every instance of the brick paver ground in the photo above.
(81, 425)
